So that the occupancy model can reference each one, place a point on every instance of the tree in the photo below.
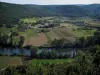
(58, 43)
(21, 42)
(85, 61)
(96, 59)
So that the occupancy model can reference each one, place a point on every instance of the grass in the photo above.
(28, 33)
(67, 34)
(83, 33)
(59, 34)
(52, 35)
(29, 20)
(16, 40)
(72, 31)
(5, 61)
(6, 31)
(50, 61)
(49, 39)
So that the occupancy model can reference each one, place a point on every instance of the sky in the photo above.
(52, 2)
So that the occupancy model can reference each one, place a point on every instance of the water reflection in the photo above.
(15, 51)
(28, 52)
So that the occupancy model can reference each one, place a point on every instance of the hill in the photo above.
(10, 13)
(94, 8)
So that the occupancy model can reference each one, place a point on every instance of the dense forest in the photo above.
(11, 13)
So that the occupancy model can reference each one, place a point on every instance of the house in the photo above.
(22, 28)
(29, 26)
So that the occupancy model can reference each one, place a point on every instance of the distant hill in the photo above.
(11, 12)
(94, 8)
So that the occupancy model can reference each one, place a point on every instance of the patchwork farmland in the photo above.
(48, 29)
(57, 33)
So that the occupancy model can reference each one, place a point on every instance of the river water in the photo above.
(28, 52)
(15, 51)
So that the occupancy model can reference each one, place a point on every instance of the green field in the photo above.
(73, 31)
(29, 32)
(50, 61)
(6, 61)
(6, 31)
(84, 33)
(69, 32)
(29, 20)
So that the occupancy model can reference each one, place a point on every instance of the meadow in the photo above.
(6, 61)
(51, 61)
(69, 33)
(29, 20)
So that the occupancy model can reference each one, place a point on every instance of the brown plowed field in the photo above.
(39, 40)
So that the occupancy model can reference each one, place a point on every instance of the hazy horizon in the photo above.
(52, 2)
